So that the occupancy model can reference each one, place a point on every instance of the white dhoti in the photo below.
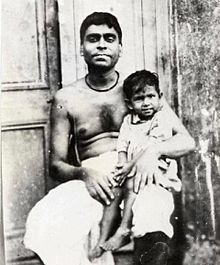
(65, 223)
(152, 210)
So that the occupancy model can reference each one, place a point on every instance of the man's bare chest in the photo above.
(95, 114)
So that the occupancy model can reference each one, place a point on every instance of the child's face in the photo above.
(145, 102)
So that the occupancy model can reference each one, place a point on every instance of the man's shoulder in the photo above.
(67, 91)
(167, 115)
(127, 119)
(165, 108)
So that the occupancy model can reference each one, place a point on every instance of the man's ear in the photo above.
(81, 51)
(120, 50)
(128, 103)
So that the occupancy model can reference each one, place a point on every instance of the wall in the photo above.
(197, 31)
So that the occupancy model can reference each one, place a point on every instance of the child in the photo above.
(146, 124)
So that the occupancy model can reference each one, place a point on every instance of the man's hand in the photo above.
(146, 168)
(98, 185)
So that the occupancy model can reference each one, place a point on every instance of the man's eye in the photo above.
(92, 39)
(110, 39)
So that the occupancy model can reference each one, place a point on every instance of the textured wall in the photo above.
(198, 47)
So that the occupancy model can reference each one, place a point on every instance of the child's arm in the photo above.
(122, 160)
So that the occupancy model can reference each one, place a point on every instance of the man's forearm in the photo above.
(177, 146)
(63, 171)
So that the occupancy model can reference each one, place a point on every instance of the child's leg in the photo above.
(122, 234)
(129, 198)
(110, 215)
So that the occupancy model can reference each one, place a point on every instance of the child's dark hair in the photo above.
(100, 18)
(138, 80)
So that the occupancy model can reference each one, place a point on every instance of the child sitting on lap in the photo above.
(147, 123)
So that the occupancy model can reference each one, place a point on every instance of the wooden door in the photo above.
(30, 75)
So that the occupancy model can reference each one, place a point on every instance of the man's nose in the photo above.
(102, 43)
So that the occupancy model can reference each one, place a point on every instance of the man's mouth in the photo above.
(101, 55)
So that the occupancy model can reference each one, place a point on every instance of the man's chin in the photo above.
(100, 67)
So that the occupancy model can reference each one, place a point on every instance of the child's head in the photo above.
(142, 93)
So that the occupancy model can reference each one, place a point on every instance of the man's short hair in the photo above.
(100, 18)
(138, 80)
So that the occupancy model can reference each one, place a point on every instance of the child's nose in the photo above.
(146, 101)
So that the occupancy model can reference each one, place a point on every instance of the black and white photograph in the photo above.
(110, 132)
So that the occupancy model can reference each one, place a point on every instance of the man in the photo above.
(89, 114)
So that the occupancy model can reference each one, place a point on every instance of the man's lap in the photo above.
(61, 221)
(58, 226)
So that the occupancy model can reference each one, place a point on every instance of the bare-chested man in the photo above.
(89, 113)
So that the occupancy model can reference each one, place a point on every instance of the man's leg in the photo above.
(151, 249)
(152, 228)
(58, 226)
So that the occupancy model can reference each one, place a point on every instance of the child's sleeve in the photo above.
(123, 138)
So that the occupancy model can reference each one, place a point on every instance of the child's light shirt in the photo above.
(136, 135)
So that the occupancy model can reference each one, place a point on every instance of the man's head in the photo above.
(142, 93)
(100, 18)
(101, 41)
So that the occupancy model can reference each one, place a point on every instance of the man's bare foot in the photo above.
(96, 252)
(119, 239)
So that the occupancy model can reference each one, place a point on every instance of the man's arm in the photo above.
(98, 185)
(60, 133)
(181, 143)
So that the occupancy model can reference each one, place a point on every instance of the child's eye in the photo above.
(138, 98)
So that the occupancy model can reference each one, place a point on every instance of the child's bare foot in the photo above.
(96, 252)
(119, 239)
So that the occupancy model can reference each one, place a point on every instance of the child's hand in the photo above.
(116, 173)
(112, 181)
(124, 171)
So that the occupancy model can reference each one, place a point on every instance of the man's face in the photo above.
(145, 102)
(101, 47)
